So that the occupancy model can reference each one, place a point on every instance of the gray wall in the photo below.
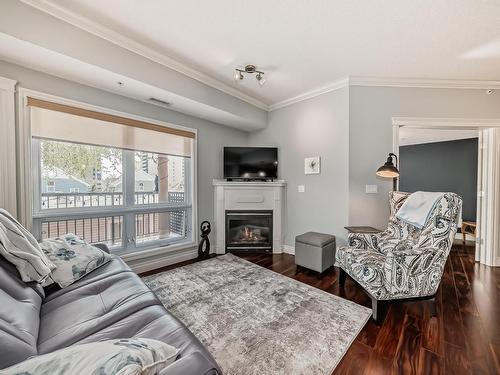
(315, 127)
(442, 166)
(370, 135)
(211, 137)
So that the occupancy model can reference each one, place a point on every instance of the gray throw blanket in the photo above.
(19, 247)
(417, 208)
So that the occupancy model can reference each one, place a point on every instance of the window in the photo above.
(124, 185)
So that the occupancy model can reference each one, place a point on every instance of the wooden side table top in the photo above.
(469, 227)
(362, 229)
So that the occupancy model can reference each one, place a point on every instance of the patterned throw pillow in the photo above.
(73, 257)
(112, 357)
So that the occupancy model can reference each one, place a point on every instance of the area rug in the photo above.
(256, 321)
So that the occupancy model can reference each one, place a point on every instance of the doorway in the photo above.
(461, 156)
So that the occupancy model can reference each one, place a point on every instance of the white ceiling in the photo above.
(304, 45)
(415, 136)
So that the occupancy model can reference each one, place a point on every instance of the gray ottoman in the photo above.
(315, 251)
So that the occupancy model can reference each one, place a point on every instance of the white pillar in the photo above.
(8, 199)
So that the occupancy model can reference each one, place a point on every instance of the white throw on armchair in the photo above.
(403, 261)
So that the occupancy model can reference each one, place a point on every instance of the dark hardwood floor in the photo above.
(464, 337)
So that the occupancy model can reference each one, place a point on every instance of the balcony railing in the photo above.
(149, 226)
(75, 200)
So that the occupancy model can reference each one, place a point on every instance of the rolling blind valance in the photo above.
(71, 124)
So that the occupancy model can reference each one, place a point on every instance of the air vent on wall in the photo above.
(163, 103)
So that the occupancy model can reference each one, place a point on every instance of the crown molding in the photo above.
(138, 48)
(423, 83)
(311, 94)
(390, 82)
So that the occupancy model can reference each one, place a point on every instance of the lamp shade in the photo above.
(388, 170)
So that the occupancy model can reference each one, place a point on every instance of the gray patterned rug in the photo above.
(256, 321)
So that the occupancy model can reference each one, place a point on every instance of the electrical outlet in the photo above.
(371, 189)
(301, 188)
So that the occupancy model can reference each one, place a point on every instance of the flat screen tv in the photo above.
(253, 163)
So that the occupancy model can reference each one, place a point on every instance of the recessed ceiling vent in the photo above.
(163, 103)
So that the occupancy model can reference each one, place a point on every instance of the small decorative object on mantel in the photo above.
(204, 246)
(312, 165)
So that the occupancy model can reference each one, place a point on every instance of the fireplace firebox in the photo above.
(249, 231)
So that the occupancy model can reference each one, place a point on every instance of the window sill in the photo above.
(142, 254)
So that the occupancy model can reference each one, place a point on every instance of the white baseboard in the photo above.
(158, 261)
(287, 249)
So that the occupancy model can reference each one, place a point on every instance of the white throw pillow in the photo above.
(73, 257)
(19, 247)
(135, 356)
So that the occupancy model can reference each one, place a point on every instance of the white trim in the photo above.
(341, 83)
(444, 122)
(8, 183)
(424, 83)
(7, 84)
(157, 251)
(140, 49)
(287, 249)
(140, 265)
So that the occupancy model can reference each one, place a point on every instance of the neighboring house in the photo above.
(143, 182)
(55, 180)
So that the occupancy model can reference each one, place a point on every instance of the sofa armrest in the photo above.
(102, 246)
(192, 364)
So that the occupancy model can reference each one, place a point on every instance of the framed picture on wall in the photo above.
(312, 165)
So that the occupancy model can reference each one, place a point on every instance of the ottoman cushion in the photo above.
(315, 239)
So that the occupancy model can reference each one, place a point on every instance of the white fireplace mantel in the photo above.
(238, 195)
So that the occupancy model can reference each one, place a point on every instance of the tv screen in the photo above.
(251, 162)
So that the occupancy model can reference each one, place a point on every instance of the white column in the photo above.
(8, 199)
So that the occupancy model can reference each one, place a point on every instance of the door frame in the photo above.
(488, 184)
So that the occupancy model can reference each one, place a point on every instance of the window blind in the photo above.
(61, 122)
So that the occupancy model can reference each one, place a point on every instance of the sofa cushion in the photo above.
(19, 317)
(118, 357)
(157, 323)
(74, 315)
(115, 266)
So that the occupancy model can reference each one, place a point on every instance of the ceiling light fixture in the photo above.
(249, 69)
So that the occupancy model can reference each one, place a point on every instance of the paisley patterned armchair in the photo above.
(403, 261)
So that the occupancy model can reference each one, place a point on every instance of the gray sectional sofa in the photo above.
(110, 302)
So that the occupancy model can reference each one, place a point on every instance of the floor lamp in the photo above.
(389, 170)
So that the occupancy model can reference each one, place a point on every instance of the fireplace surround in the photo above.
(248, 198)
(249, 231)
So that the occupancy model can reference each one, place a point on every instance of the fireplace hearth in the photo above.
(249, 231)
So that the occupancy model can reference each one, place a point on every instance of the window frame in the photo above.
(32, 216)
